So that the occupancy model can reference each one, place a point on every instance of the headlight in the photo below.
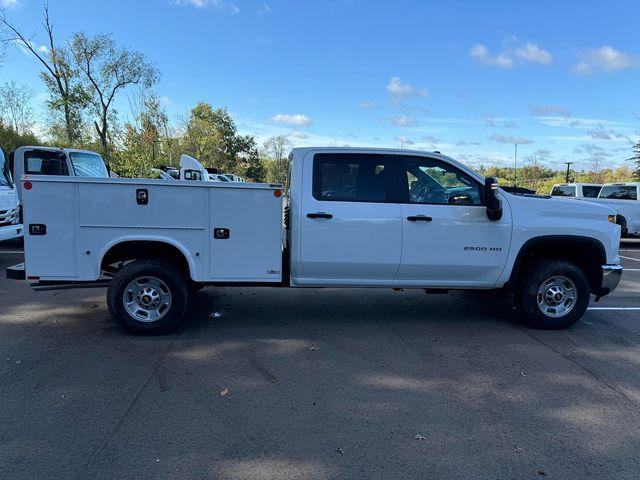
(612, 218)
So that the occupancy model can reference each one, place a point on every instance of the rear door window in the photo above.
(619, 192)
(563, 191)
(45, 163)
(590, 191)
(350, 177)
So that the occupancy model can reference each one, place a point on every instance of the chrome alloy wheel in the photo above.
(147, 299)
(557, 296)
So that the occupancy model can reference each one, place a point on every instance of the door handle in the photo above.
(419, 218)
(319, 215)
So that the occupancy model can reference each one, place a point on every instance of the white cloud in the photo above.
(550, 110)
(367, 104)
(297, 119)
(532, 53)
(399, 90)
(481, 53)
(9, 3)
(604, 58)
(402, 140)
(511, 58)
(510, 139)
(222, 5)
(43, 49)
(297, 134)
(403, 121)
(165, 100)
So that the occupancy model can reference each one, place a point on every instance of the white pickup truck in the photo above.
(353, 218)
(624, 199)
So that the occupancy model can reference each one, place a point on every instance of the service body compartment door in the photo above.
(246, 234)
(50, 230)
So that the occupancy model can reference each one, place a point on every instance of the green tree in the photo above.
(107, 69)
(143, 141)
(66, 95)
(10, 139)
(276, 161)
(211, 137)
(636, 159)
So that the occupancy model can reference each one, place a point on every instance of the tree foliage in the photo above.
(211, 137)
(635, 158)
(106, 70)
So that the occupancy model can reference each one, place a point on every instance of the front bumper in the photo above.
(10, 231)
(611, 275)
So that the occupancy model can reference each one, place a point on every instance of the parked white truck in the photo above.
(10, 226)
(624, 199)
(354, 218)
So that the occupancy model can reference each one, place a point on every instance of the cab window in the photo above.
(590, 191)
(350, 178)
(431, 181)
(563, 191)
(619, 192)
(45, 163)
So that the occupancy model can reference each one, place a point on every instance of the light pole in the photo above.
(566, 179)
(515, 164)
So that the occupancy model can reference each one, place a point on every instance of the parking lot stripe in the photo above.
(630, 258)
(613, 308)
(11, 252)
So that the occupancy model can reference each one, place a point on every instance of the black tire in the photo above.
(532, 280)
(172, 277)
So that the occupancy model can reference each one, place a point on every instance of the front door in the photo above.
(349, 234)
(447, 239)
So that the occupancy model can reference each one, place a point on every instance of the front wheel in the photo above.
(148, 297)
(553, 295)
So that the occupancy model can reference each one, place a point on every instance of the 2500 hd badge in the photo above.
(483, 249)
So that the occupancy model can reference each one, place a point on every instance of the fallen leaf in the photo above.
(314, 347)
(417, 436)
(94, 305)
(541, 472)
(340, 451)
(224, 392)
(216, 314)
(524, 374)
(517, 449)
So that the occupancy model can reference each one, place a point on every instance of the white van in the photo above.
(9, 217)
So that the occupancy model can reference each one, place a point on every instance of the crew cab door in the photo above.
(447, 239)
(349, 234)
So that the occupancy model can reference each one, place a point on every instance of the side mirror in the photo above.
(491, 199)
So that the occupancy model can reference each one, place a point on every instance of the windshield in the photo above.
(88, 164)
(620, 192)
(5, 172)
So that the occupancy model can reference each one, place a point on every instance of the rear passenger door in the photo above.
(349, 232)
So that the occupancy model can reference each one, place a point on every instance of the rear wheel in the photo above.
(148, 297)
(553, 295)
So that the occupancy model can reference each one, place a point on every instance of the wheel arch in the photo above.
(587, 253)
(134, 247)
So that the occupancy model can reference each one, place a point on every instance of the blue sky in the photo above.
(562, 79)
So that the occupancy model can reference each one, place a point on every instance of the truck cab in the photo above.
(9, 217)
(35, 160)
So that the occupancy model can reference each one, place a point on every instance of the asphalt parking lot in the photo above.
(315, 384)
